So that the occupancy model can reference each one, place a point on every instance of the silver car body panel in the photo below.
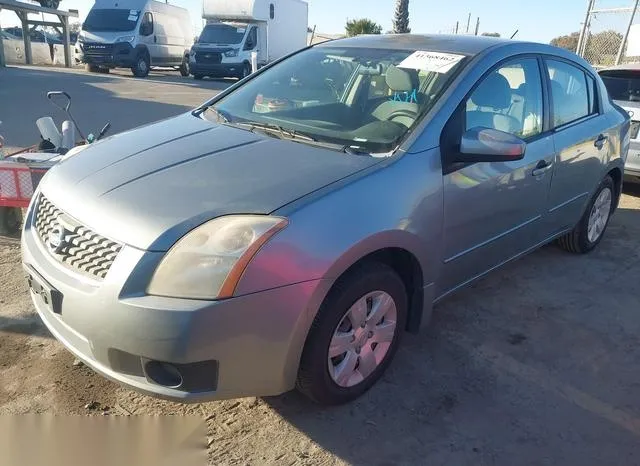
(148, 187)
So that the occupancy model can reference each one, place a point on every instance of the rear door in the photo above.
(581, 133)
(495, 211)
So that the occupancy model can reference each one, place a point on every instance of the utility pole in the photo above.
(583, 30)
(468, 21)
(477, 25)
(626, 34)
(457, 23)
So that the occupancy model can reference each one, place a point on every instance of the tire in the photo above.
(10, 220)
(315, 379)
(198, 76)
(246, 71)
(141, 67)
(184, 69)
(579, 240)
(92, 68)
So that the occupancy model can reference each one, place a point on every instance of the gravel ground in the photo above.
(536, 364)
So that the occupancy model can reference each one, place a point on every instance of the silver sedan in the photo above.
(290, 230)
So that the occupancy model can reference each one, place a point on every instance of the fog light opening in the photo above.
(164, 374)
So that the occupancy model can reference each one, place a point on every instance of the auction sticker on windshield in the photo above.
(436, 62)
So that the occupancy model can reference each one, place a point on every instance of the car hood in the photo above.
(148, 187)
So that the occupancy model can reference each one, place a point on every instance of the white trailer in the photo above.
(236, 28)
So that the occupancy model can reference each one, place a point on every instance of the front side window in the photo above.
(146, 27)
(509, 99)
(252, 39)
(569, 93)
(361, 98)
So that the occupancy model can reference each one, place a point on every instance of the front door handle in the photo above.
(542, 167)
(155, 38)
(600, 140)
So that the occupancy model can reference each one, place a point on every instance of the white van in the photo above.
(136, 34)
(236, 28)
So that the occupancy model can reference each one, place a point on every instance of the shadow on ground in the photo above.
(126, 102)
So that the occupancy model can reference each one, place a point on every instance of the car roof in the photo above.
(462, 44)
(625, 66)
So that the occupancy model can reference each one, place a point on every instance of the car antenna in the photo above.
(514, 34)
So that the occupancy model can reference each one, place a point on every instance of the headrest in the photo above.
(402, 80)
(493, 92)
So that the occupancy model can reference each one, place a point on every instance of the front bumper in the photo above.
(121, 54)
(221, 70)
(245, 346)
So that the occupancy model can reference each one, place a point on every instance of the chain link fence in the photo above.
(607, 26)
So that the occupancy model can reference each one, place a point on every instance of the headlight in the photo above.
(208, 262)
(125, 39)
(81, 37)
(231, 53)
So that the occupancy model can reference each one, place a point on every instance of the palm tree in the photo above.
(401, 18)
(356, 27)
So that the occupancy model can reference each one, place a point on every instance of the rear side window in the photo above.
(570, 93)
(622, 85)
(593, 96)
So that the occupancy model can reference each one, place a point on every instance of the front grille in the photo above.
(213, 58)
(92, 48)
(80, 248)
(635, 126)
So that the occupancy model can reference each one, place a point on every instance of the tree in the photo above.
(491, 34)
(569, 42)
(356, 27)
(401, 17)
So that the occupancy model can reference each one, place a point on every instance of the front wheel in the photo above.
(184, 69)
(354, 336)
(92, 68)
(589, 231)
(141, 67)
(246, 71)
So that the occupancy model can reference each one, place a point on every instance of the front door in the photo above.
(580, 139)
(148, 36)
(494, 211)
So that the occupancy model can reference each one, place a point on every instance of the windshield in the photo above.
(622, 84)
(111, 20)
(222, 34)
(360, 98)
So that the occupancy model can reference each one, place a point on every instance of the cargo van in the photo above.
(136, 34)
(236, 28)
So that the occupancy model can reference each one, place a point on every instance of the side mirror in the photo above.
(490, 145)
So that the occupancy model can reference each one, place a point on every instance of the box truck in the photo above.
(136, 34)
(236, 28)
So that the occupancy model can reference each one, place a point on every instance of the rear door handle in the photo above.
(542, 167)
(155, 38)
(600, 140)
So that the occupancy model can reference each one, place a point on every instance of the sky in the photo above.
(535, 20)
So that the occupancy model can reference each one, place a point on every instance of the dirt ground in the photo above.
(537, 364)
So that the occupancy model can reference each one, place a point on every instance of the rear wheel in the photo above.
(589, 231)
(141, 67)
(354, 336)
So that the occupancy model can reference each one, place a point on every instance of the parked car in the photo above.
(8, 36)
(287, 232)
(36, 35)
(623, 84)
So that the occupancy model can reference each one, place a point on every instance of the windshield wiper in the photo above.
(274, 129)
